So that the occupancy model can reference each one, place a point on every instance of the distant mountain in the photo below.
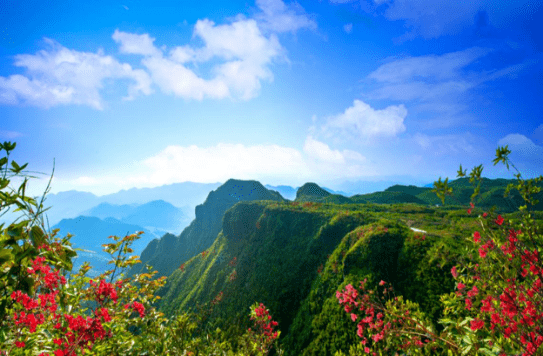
(155, 215)
(91, 232)
(168, 253)
(310, 190)
(70, 204)
(289, 193)
(107, 210)
(286, 191)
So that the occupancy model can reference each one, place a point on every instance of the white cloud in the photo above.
(246, 54)
(276, 16)
(525, 155)
(367, 123)
(522, 145)
(136, 44)
(446, 144)
(322, 152)
(348, 27)
(433, 67)
(436, 83)
(58, 75)
(4, 134)
(178, 80)
(266, 163)
(434, 18)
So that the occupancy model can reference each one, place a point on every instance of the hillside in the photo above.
(169, 252)
(293, 257)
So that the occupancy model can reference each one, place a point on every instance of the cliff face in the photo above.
(168, 253)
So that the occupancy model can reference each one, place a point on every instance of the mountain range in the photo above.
(248, 243)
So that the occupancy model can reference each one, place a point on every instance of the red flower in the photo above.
(499, 220)
(476, 236)
(454, 272)
(477, 324)
(19, 344)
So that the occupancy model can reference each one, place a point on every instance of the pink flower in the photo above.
(454, 272)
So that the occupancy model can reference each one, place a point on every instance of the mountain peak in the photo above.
(311, 189)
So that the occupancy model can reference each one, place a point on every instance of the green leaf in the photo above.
(5, 255)
(37, 236)
(466, 350)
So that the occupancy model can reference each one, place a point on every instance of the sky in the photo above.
(116, 95)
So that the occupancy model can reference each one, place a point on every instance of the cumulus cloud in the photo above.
(218, 163)
(58, 75)
(278, 17)
(246, 56)
(224, 161)
(367, 123)
(245, 49)
(322, 152)
(136, 44)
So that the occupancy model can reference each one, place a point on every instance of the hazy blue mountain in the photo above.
(286, 191)
(157, 215)
(107, 210)
(70, 204)
(177, 194)
(168, 253)
(91, 232)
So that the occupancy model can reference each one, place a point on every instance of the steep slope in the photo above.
(170, 252)
(294, 256)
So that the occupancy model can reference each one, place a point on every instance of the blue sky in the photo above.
(146, 93)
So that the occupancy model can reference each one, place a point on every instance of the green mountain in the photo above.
(492, 194)
(168, 253)
(294, 256)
